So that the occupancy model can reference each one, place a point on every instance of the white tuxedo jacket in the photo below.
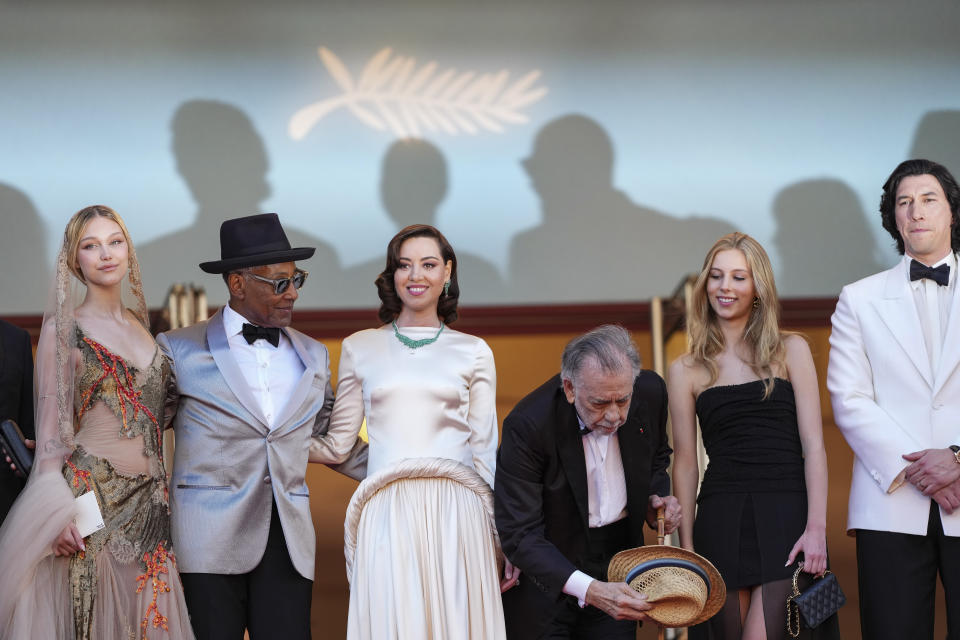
(886, 400)
(228, 466)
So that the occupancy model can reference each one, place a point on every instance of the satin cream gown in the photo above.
(420, 542)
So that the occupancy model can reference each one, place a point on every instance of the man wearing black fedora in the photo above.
(250, 394)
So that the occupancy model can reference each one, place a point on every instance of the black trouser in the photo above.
(272, 601)
(589, 622)
(898, 581)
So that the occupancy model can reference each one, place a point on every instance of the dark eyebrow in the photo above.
(922, 195)
(402, 258)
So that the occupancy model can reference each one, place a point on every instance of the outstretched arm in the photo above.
(683, 420)
(338, 423)
(803, 377)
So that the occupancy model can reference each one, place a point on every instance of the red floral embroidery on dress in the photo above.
(78, 475)
(156, 568)
(116, 367)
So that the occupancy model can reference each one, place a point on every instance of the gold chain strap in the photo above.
(793, 612)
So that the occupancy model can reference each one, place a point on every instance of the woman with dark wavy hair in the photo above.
(421, 548)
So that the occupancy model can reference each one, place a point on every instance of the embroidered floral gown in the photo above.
(124, 584)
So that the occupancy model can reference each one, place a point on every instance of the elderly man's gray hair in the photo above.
(608, 344)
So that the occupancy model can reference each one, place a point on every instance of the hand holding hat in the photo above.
(617, 600)
(682, 588)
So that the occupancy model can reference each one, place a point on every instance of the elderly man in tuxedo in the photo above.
(251, 394)
(894, 378)
(582, 466)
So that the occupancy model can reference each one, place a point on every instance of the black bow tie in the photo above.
(940, 275)
(252, 333)
(584, 429)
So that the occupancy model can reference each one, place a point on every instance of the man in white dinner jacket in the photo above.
(894, 378)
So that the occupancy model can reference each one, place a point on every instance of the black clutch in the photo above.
(13, 445)
(815, 604)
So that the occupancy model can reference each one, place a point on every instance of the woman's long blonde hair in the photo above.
(762, 334)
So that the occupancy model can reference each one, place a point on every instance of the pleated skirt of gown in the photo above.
(422, 555)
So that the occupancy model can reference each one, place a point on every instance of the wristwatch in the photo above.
(956, 452)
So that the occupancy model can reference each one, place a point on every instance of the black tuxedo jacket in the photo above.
(541, 491)
(16, 400)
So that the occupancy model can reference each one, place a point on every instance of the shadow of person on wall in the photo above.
(223, 160)
(23, 245)
(594, 243)
(937, 138)
(413, 183)
(823, 239)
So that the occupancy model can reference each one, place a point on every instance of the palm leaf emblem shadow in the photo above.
(392, 94)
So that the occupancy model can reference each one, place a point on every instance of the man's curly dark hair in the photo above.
(919, 167)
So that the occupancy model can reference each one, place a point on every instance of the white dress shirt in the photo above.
(271, 373)
(606, 494)
(933, 306)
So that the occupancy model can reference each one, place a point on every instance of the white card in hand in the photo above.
(88, 517)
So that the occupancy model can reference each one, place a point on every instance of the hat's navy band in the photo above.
(658, 563)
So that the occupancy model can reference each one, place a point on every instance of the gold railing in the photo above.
(667, 317)
(186, 304)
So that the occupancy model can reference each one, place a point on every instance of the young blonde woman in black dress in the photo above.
(763, 501)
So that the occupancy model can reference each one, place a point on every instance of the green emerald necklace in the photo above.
(415, 344)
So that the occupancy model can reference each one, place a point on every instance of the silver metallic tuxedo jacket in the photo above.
(229, 466)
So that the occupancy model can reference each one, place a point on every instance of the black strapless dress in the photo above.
(752, 506)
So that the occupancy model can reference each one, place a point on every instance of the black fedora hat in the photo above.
(252, 241)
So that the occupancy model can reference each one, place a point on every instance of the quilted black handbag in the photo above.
(818, 602)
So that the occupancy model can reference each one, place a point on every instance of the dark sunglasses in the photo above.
(280, 285)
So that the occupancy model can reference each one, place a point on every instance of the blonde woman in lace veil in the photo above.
(99, 421)
(420, 543)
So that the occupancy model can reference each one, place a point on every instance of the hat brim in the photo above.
(621, 564)
(257, 259)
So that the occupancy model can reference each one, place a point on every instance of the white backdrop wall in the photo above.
(651, 129)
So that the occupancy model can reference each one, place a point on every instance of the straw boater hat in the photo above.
(684, 588)
(252, 241)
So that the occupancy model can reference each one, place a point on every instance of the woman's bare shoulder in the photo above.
(687, 372)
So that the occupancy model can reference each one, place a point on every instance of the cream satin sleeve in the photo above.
(482, 413)
(335, 445)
